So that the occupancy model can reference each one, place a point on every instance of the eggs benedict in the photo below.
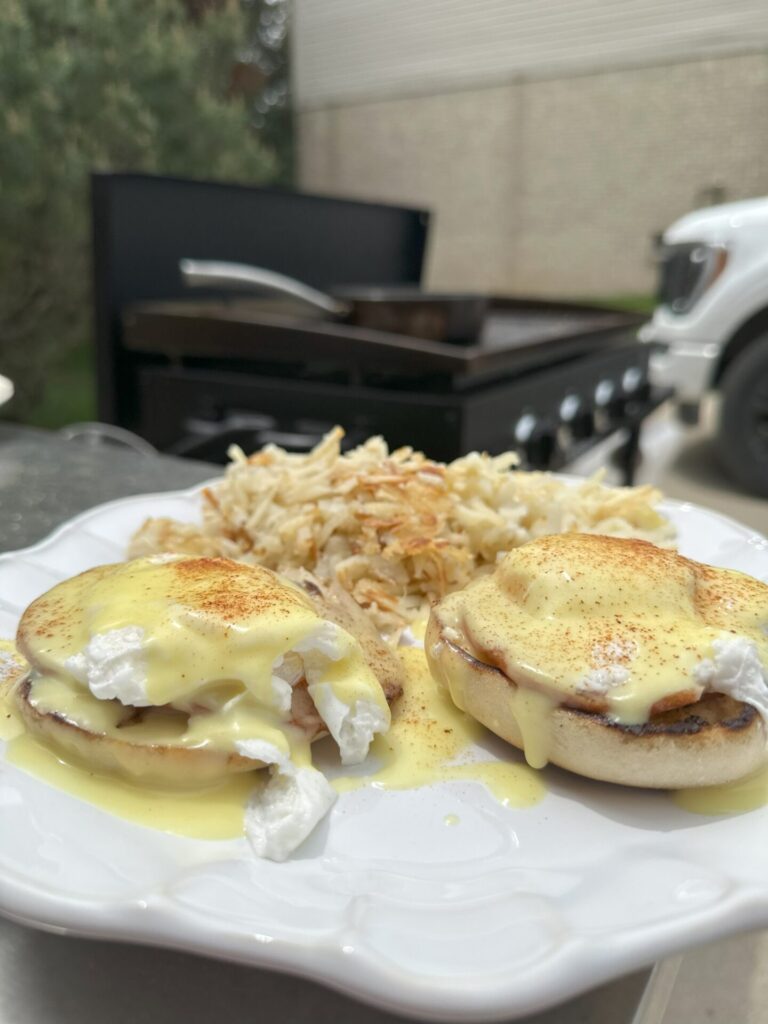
(175, 671)
(613, 658)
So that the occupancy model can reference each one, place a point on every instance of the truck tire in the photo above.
(742, 438)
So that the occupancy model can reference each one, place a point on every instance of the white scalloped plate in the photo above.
(506, 913)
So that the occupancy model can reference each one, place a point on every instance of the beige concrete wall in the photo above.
(551, 186)
(452, 154)
(352, 51)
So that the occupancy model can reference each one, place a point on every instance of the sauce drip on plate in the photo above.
(428, 743)
(215, 812)
(733, 798)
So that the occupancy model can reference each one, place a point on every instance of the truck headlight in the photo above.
(686, 271)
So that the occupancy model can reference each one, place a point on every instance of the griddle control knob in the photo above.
(534, 440)
(632, 380)
(604, 393)
(575, 418)
(607, 403)
(635, 384)
(540, 449)
(525, 428)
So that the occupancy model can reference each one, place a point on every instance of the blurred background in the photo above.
(554, 139)
(550, 144)
(192, 87)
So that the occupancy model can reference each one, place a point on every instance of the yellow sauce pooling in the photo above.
(745, 794)
(215, 728)
(214, 812)
(211, 812)
(428, 735)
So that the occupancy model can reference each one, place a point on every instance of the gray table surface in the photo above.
(50, 979)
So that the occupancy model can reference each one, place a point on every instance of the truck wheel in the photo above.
(742, 439)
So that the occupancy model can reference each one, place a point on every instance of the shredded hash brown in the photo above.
(395, 529)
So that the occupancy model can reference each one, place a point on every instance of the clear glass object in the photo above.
(97, 434)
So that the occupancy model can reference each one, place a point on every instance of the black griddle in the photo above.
(545, 379)
(194, 374)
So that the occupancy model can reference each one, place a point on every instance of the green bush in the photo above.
(129, 85)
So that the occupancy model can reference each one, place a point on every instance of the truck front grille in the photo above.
(683, 271)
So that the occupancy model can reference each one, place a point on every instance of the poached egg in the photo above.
(176, 671)
(574, 630)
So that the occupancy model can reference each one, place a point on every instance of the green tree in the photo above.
(269, 52)
(139, 85)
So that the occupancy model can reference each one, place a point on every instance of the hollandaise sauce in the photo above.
(213, 812)
(12, 667)
(428, 743)
(187, 623)
(429, 734)
(156, 687)
(584, 616)
(610, 626)
(745, 794)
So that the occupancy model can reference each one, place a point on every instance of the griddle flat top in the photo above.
(517, 336)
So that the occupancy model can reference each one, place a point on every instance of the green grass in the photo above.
(70, 393)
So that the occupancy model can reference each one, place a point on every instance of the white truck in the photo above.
(713, 319)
